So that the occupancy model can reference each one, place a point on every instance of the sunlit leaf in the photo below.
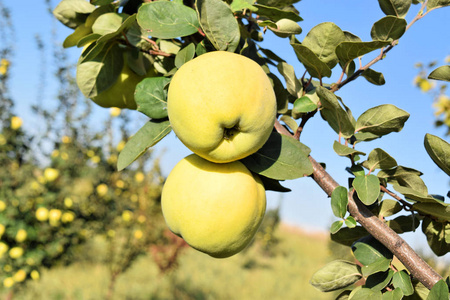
(397, 8)
(339, 201)
(439, 151)
(382, 120)
(348, 51)
(379, 159)
(315, 67)
(388, 28)
(185, 55)
(441, 73)
(151, 97)
(367, 187)
(336, 275)
(402, 280)
(343, 150)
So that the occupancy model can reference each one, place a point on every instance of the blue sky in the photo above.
(306, 205)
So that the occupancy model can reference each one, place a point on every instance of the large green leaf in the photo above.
(389, 207)
(100, 72)
(437, 3)
(80, 32)
(398, 172)
(367, 187)
(373, 77)
(219, 24)
(339, 201)
(150, 134)
(304, 104)
(437, 234)
(315, 67)
(293, 85)
(379, 159)
(334, 114)
(336, 275)
(388, 28)
(349, 50)
(108, 23)
(439, 151)
(438, 291)
(73, 12)
(382, 120)
(167, 19)
(110, 34)
(439, 211)
(397, 8)
(281, 158)
(276, 14)
(368, 250)
(323, 40)
(151, 97)
(381, 264)
(402, 224)
(402, 280)
(414, 195)
(185, 55)
(343, 150)
(441, 73)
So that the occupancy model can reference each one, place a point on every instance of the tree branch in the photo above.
(379, 230)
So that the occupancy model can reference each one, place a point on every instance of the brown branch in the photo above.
(379, 230)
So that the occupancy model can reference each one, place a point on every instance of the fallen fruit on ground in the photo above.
(215, 208)
(222, 106)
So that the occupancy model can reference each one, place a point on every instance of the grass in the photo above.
(248, 275)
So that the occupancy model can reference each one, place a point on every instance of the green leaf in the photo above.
(335, 226)
(350, 222)
(441, 73)
(395, 294)
(150, 134)
(276, 14)
(368, 251)
(315, 67)
(273, 185)
(347, 236)
(439, 211)
(339, 201)
(151, 97)
(382, 120)
(293, 85)
(167, 19)
(436, 233)
(365, 137)
(108, 23)
(323, 40)
(397, 8)
(127, 24)
(414, 195)
(303, 105)
(219, 24)
(373, 77)
(348, 51)
(240, 5)
(334, 114)
(101, 72)
(368, 188)
(80, 32)
(73, 12)
(343, 150)
(281, 158)
(361, 293)
(185, 55)
(398, 172)
(291, 123)
(402, 280)
(439, 151)
(388, 28)
(403, 224)
(437, 3)
(379, 280)
(389, 207)
(381, 264)
(438, 291)
(379, 159)
(412, 181)
(336, 275)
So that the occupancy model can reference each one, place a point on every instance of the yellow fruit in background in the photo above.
(68, 202)
(121, 93)
(215, 208)
(8, 282)
(139, 177)
(21, 235)
(54, 216)
(20, 276)
(2, 230)
(2, 205)
(42, 214)
(16, 123)
(66, 139)
(127, 215)
(51, 174)
(67, 217)
(16, 252)
(222, 106)
(3, 248)
(114, 111)
(34, 275)
(102, 189)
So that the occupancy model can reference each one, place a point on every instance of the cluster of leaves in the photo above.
(438, 90)
(166, 34)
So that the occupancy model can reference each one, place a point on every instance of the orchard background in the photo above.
(68, 137)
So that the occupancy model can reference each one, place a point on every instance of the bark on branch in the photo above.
(379, 230)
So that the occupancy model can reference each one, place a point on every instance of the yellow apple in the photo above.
(222, 106)
(51, 174)
(215, 208)
(121, 93)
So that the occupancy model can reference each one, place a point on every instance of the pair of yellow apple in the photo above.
(222, 106)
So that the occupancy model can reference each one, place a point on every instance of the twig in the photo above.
(379, 230)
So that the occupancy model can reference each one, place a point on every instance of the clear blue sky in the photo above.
(306, 205)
